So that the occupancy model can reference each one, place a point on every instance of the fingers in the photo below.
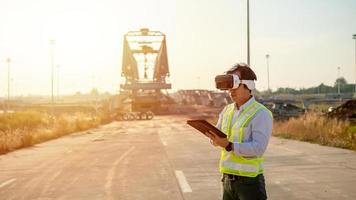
(211, 139)
(211, 135)
(212, 142)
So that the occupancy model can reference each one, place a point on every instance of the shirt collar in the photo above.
(247, 103)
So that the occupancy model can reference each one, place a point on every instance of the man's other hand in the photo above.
(213, 143)
(216, 140)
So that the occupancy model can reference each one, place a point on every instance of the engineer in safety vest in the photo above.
(248, 126)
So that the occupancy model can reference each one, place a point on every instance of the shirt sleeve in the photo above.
(218, 124)
(261, 132)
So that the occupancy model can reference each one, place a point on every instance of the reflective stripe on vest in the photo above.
(229, 162)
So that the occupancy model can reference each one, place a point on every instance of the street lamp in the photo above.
(52, 42)
(198, 79)
(267, 60)
(12, 86)
(8, 60)
(57, 82)
(338, 80)
(354, 37)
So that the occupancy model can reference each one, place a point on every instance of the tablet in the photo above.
(204, 126)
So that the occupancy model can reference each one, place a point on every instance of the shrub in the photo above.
(316, 128)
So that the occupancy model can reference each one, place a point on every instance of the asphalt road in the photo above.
(164, 159)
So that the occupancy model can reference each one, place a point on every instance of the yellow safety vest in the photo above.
(229, 162)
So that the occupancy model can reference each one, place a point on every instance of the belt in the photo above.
(232, 177)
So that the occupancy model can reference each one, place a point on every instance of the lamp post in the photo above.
(198, 79)
(267, 61)
(52, 42)
(8, 61)
(58, 82)
(338, 80)
(12, 86)
(354, 37)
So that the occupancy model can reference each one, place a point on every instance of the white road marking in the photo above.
(163, 142)
(183, 183)
(45, 188)
(7, 182)
(111, 174)
(307, 180)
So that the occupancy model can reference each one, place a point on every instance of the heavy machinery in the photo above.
(145, 69)
(284, 109)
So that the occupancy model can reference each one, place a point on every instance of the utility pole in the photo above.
(354, 37)
(248, 32)
(267, 60)
(8, 60)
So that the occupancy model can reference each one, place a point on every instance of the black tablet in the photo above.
(204, 126)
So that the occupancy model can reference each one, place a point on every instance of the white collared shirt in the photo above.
(256, 134)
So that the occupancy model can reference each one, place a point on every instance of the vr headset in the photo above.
(232, 81)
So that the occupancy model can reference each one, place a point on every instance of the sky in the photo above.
(306, 40)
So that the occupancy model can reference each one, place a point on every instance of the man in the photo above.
(248, 126)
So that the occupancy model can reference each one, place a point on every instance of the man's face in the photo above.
(239, 94)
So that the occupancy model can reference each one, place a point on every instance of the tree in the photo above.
(322, 88)
(344, 86)
(342, 81)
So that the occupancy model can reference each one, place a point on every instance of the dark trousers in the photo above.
(244, 188)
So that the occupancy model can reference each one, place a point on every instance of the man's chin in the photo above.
(235, 100)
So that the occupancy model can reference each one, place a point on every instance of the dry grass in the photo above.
(315, 128)
(20, 120)
(23, 129)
